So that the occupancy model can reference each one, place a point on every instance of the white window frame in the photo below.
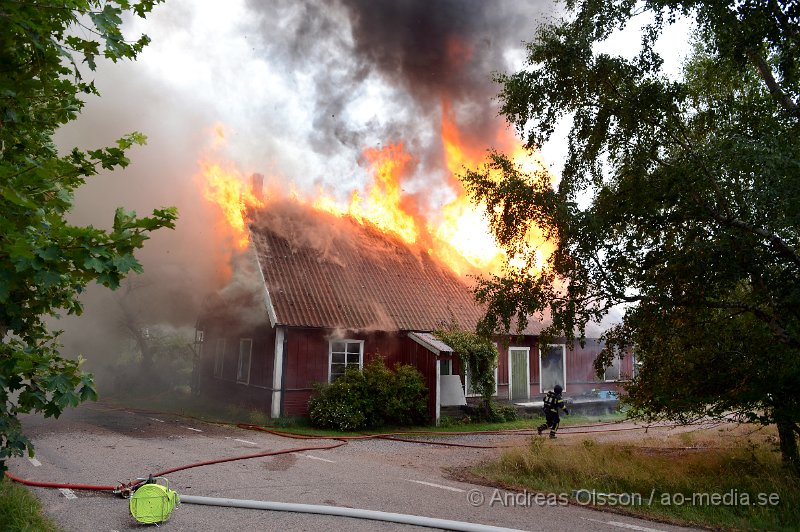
(219, 358)
(345, 341)
(528, 366)
(243, 370)
(619, 371)
(563, 365)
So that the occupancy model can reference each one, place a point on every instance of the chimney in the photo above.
(257, 186)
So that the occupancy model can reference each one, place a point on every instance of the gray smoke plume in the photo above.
(423, 54)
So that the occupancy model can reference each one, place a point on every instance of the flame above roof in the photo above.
(326, 271)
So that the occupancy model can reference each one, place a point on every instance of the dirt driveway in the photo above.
(94, 444)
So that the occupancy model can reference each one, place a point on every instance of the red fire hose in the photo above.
(342, 440)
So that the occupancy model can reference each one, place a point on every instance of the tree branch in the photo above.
(775, 241)
(775, 90)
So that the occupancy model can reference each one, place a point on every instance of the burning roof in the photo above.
(323, 270)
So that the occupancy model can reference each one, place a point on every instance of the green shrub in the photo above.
(374, 397)
(503, 414)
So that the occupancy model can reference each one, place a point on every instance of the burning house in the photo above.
(333, 283)
(320, 293)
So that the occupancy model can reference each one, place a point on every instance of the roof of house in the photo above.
(326, 271)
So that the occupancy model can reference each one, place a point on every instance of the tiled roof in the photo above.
(325, 271)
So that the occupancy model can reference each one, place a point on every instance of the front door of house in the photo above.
(520, 373)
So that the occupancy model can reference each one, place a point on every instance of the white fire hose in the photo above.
(357, 513)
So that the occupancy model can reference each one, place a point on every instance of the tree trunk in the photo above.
(787, 433)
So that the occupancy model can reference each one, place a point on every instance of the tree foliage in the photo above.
(679, 198)
(47, 262)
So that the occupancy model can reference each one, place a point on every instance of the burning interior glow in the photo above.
(458, 234)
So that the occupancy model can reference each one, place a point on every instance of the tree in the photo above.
(47, 262)
(679, 198)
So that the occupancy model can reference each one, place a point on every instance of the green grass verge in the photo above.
(20, 510)
(737, 464)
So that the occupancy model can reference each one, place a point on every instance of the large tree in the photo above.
(45, 48)
(679, 198)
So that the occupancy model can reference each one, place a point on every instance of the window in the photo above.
(243, 369)
(613, 372)
(344, 354)
(445, 367)
(552, 367)
(219, 357)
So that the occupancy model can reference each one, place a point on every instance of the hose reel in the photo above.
(153, 502)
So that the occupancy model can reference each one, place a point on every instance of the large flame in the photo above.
(464, 225)
(458, 234)
(226, 187)
(382, 204)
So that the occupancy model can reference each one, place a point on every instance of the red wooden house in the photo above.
(331, 293)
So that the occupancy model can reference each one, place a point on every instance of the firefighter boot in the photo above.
(552, 435)
(541, 428)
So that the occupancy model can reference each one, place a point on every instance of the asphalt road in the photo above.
(95, 444)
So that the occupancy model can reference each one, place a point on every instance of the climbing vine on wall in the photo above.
(479, 355)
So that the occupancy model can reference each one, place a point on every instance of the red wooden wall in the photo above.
(306, 362)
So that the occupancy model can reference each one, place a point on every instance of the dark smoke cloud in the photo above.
(426, 51)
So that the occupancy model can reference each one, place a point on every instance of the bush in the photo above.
(371, 398)
(503, 414)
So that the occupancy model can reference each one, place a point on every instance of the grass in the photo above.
(736, 463)
(20, 510)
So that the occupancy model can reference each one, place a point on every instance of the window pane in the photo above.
(338, 346)
(352, 358)
(337, 358)
(353, 347)
(337, 370)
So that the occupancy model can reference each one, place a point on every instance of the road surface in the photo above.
(98, 444)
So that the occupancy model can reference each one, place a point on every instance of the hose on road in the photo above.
(358, 513)
(125, 489)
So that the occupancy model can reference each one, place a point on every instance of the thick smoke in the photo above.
(414, 58)
(445, 50)
(301, 87)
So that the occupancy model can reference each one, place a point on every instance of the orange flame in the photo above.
(226, 188)
(459, 235)
(382, 205)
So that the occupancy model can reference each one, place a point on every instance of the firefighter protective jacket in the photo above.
(553, 402)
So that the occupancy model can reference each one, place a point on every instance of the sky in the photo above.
(300, 89)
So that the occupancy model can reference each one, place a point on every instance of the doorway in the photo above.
(519, 373)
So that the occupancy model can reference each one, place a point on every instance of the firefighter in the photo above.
(552, 403)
